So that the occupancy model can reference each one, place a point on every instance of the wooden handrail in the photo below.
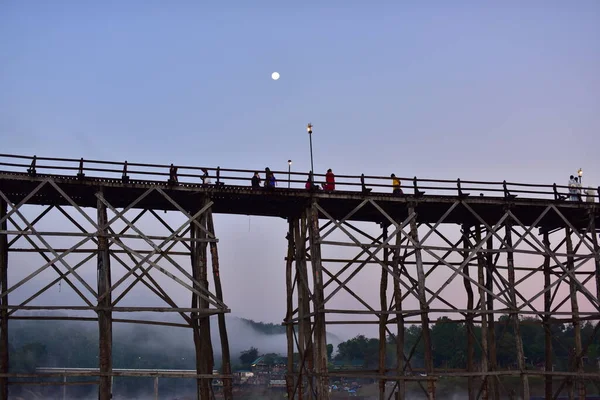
(125, 170)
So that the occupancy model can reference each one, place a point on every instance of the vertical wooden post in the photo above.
(547, 320)
(469, 317)
(304, 338)
(423, 305)
(399, 320)
(514, 316)
(289, 327)
(156, 388)
(594, 238)
(489, 285)
(577, 361)
(201, 322)
(383, 317)
(320, 341)
(225, 355)
(104, 316)
(484, 325)
(3, 302)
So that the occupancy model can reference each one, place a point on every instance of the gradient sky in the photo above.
(477, 90)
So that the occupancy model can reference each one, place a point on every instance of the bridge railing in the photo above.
(193, 175)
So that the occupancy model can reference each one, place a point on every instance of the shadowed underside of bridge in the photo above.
(353, 257)
(287, 203)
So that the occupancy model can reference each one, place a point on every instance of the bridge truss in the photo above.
(127, 256)
(465, 267)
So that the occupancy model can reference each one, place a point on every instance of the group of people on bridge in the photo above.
(270, 182)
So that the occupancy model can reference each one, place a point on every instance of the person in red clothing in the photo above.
(329, 180)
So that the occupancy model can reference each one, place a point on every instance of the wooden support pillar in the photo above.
(594, 238)
(320, 339)
(225, 355)
(489, 285)
(104, 316)
(156, 388)
(547, 319)
(469, 317)
(423, 305)
(289, 327)
(577, 365)
(483, 308)
(3, 302)
(510, 261)
(304, 335)
(399, 320)
(383, 316)
(201, 323)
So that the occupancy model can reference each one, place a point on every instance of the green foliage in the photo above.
(265, 328)
(248, 356)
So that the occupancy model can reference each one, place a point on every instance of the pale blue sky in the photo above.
(477, 90)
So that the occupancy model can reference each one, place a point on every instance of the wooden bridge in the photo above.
(500, 247)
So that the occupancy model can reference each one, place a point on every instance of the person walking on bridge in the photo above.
(270, 181)
(256, 181)
(329, 181)
(396, 189)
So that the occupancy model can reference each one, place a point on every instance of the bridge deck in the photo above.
(284, 202)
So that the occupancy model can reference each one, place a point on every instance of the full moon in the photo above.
(275, 76)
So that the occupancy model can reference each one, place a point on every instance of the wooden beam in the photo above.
(469, 317)
(320, 340)
(104, 316)
(484, 317)
(225, 355)
(3, 301)
(289, 327)
(576, 354)
(423, 303)
(514, 316)
(548, 354)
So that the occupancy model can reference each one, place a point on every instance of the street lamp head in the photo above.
(309, 128)
(289, 162)
(580, 172)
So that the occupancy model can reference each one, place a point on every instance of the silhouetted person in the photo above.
(205, 177)
(173, 174)
(364, 187)
(270, 181)
(256, 181)
(396, 189)
(329, 180)
(310, 184)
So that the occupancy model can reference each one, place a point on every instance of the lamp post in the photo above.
(580, 173)
(289, 172)
(309, 129)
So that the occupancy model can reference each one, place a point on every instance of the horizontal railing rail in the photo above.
(196, 175)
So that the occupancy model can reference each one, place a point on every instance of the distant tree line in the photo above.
(58, 344)
(449, 343)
